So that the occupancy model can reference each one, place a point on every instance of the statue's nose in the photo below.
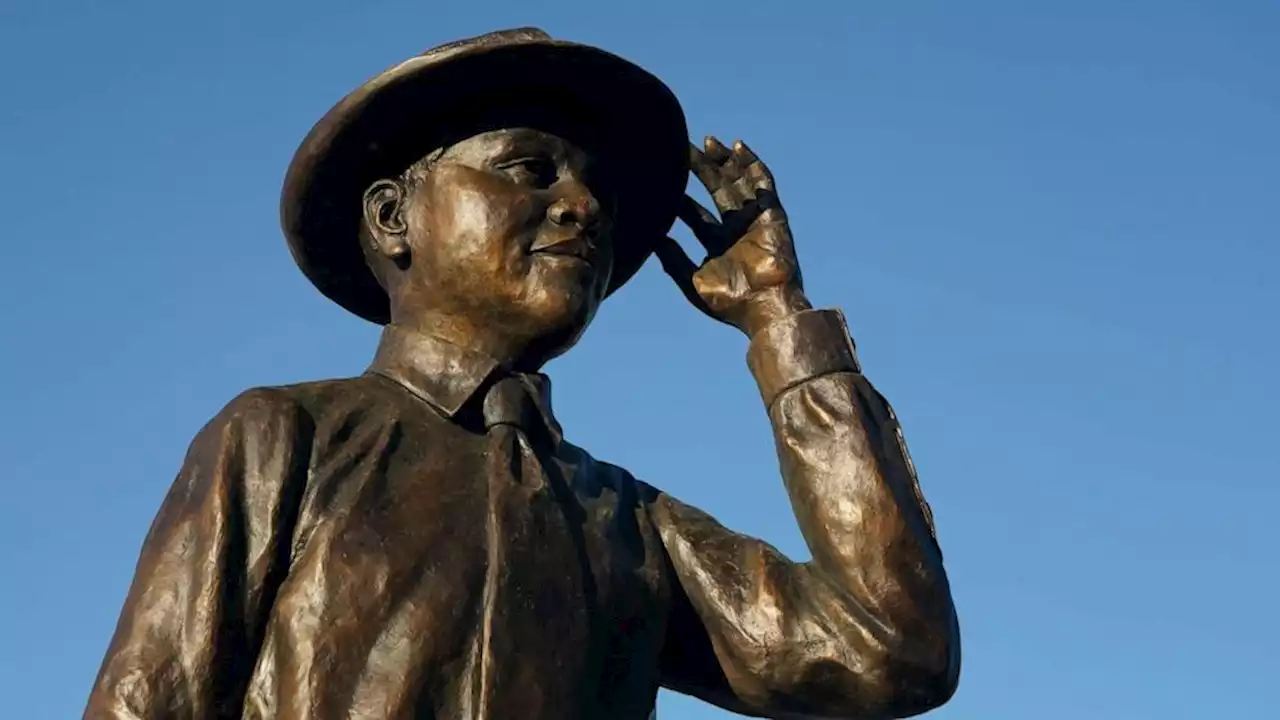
(576, 207)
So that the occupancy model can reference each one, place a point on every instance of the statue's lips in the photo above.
(573, 247)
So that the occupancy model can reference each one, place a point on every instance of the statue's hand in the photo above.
(750, 276)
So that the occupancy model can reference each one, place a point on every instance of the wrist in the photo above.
(803, 347)
(771, 305)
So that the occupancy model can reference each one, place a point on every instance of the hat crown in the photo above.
(514, 36)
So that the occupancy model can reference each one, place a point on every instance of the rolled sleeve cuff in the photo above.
(800, 347)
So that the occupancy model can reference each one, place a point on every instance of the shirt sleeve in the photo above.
(192, 624)
(866, 628)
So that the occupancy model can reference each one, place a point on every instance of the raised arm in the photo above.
(866, 629)
(192, 624)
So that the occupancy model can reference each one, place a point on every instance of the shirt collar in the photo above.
(447, 376)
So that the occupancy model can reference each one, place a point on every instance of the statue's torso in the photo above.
(425, 583)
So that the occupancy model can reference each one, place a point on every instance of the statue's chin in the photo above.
(558, 327)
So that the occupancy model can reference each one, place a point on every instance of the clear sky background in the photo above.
(1054, 227)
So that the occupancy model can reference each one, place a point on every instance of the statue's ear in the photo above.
(384, 209)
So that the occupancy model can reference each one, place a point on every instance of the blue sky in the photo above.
(1055, 231)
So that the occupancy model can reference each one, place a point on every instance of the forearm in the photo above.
(851, 483)
(866, 629)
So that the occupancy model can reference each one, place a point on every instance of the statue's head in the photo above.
(493, 191)
(505, 234)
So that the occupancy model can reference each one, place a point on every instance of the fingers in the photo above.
(754, 169)
(715, 151)
(695, 215)
(705, 226)
(742, 188)
(676, 263)
(705, 169)
(732, 176)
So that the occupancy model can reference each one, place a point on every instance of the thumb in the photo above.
(676, 263)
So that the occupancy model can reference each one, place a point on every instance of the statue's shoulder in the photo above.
(596, 476)
(304, 402)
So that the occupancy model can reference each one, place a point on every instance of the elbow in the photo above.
(912, 678)
(924, 674)
(918, 690)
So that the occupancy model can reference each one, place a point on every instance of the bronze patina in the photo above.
(422, 541)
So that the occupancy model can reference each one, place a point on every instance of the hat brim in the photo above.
(627, 117)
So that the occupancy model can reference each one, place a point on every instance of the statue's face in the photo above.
(510, 229)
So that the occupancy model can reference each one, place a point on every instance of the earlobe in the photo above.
(384, 204)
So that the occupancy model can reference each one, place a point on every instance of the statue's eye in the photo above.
(534, 171)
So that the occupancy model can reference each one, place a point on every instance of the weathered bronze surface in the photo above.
(421, 541)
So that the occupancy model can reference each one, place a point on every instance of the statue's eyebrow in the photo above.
(530, 140)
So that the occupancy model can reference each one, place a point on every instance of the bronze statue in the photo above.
(422, 542)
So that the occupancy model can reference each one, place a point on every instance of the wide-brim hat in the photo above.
(626, 116)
